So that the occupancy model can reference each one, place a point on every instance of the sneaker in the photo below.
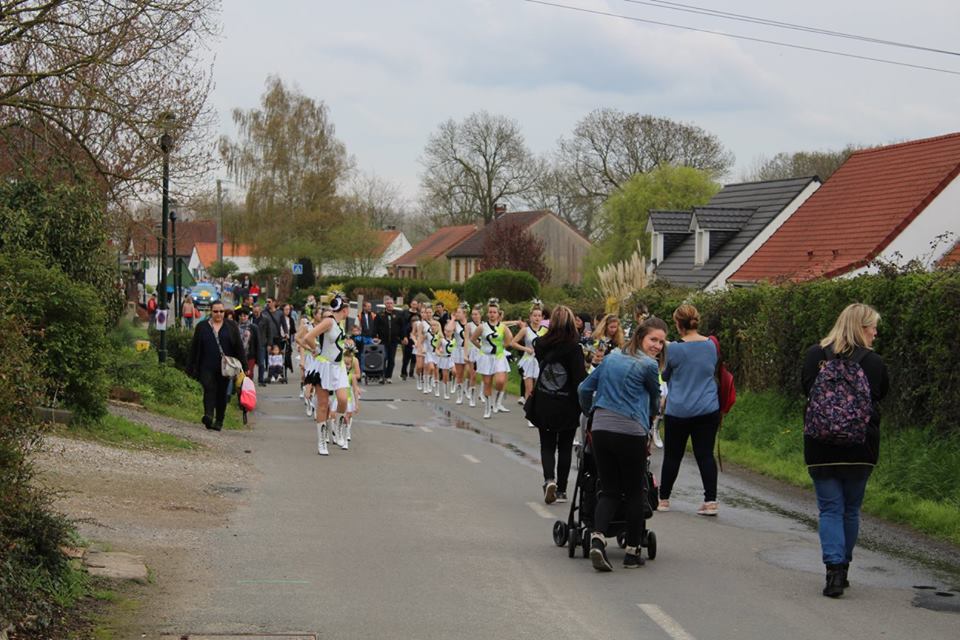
(520, 400)
(707, 509)
(561, 496)
(389, 380)
(657, 440)
(633, 561)
(663, 505)
(598, 555)
(550, 492)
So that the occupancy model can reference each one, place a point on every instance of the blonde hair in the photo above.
(601, 331)
(847, 332)
(687, 317)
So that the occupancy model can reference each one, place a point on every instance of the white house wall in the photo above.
(914, 243)
(720, 281)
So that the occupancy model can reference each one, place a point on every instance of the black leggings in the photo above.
(214, 394)
(703, 431)
(621, 465)
(561, 444)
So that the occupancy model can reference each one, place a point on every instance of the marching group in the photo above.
(628, 383)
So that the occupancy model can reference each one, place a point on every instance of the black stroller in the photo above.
(287, 350)
(575, 532)
(374, 361)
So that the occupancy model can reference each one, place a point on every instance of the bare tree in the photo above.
(471, 165)
(381, 202)
(559, 191)
(800, 164)
(88, 80)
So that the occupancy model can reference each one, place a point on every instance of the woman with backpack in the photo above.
(552, 405)
(844, 381)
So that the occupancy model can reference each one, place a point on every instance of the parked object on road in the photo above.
(204, 294)
(374, 362)
(840, 467)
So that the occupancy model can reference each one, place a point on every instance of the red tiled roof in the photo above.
(145, 233)
(384, 240)
(436, 244)
(473, 246)
(858, 212)
(951, 258)
(207, 251)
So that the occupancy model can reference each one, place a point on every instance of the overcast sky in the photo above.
(391, 70)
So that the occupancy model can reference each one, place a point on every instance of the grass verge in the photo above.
(119, 431)
(914, 482)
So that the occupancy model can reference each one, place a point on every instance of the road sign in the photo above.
(161, 320)
(297, 269)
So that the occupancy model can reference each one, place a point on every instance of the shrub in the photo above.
(511, 286)
(449, 299)
(395, 287)
(178, 345)
(63, 320)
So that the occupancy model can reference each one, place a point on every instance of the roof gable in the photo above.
(473, 246)
(435, 245)
(860, 210)
(207, 252)
(662, 221)
(720, 218)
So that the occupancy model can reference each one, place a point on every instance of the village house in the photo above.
(429, 255)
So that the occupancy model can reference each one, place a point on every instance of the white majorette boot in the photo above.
(342, 431)
(322, 439)
(470, 396)
(349, 428)
(500, 396)
(487, 406)
(419, 382)
(459, 394)
(331, 430)
(446, 392)
(427, 385)
(436, 388)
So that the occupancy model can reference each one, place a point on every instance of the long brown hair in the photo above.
(562, 330)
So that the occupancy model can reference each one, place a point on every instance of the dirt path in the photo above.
(158, 504)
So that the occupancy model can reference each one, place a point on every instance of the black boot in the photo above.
(834, 586)
(845, 568)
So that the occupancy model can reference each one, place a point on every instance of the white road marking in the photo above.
(470, 458)
(426, 429)
(665, 622)
(541, 510)
(392, 407)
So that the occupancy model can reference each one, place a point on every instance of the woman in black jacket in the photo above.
(840, 471)
(554, 407)
(213, 338)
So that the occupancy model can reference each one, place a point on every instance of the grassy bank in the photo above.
(915, 482)
(119, 431)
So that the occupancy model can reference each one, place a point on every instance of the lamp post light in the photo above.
(166, 143)
(176, 278)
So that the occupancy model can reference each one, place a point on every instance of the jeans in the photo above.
(703, 431)
(621, 465)
(839, 493)
(261, 365)
(561, 444)
(214, 394)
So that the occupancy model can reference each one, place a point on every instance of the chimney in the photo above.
(499, 210)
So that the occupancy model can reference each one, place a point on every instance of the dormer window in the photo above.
(702, 247)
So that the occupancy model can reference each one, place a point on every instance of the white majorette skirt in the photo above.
(458, 355)
(470, 354)
(311, 371)
(445, 363)
(333, 376)
(529, 365)
(430, 357)
(489, 364)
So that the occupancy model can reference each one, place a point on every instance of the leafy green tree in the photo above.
(625, 213)
(222, 269)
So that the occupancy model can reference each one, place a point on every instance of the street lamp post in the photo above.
(166, 142)
(176, 277)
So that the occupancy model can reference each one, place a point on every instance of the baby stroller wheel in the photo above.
(573, 539)
(651, 545)
(560, 533)
(622, 540)
(585, 545)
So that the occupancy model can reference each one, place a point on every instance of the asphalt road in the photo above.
(432, 526)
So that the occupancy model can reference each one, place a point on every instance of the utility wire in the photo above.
(844, 54)
(740, 17)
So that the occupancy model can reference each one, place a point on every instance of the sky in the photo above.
(392, 71)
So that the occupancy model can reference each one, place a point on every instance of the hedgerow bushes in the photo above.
(507, 285)
(765, 331)
(394, 286)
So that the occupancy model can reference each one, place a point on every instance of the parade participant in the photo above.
(434, 353)
(459, 349)
(408, 364)
(311, 316)
(429, 349)
(329, 375)
(524, 341)
(470, 355)
(417, 336)
(445, 349)
(352, 364)
(491, 338)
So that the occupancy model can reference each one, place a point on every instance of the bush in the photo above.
(63, 320)
(510, 286)
(395, 287)
(178, 345)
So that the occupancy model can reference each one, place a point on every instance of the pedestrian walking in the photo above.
(410, 316)
(213, 339)
(188, 311)
(844, 381)
(250, 337)
(693, 408)
(622, 394)
(553, 405)
(265, 325)
(388, 328)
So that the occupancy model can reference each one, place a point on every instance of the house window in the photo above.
(702, 248)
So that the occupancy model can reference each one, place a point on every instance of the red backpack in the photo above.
(726, 388)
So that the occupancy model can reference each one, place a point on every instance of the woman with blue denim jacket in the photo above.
(622, 392)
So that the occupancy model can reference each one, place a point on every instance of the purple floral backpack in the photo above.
(839, 408)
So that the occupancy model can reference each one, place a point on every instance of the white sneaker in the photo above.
(521, 400)
(657, 441)
(322, 439)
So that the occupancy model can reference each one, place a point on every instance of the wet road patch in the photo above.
(935, 599)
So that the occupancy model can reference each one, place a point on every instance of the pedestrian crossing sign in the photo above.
(297, 269)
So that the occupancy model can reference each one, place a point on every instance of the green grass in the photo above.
(191, 409)
(119, 431)
(914, 482)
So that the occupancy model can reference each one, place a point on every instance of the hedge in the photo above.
(766, 330)
(396, 287)
(507, 285)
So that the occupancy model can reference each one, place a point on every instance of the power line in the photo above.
(741, 17)
(741, 37)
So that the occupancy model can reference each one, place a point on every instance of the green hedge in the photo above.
(509, 286)
(766, 330)
(178, 345)
(396, 287)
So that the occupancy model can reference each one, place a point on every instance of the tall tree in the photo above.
(471, 165)
(508, 245)
(559, 191)
(292, 164)
(87, 81)
(800, 164)
(380, 201)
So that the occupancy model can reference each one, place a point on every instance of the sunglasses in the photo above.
(217, 311)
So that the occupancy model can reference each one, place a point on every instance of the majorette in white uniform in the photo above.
(528, 363)
(308, 362)
(469, 350)
(493, 354)
(330, 369)
(423, 347)
(445, 360)
(459, 340)
(430, 341)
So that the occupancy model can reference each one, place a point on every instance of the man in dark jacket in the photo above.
(388, 327)
(265, 325)
(408, 363)
(367, 320)
(213, 338)
(250, 336)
